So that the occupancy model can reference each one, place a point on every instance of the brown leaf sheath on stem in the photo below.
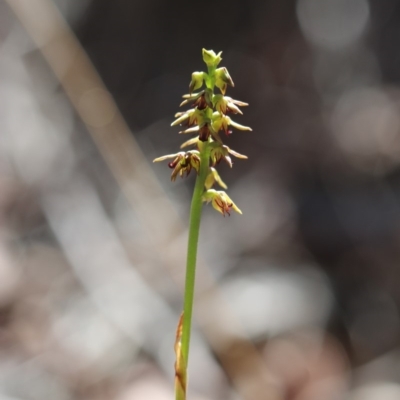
(180, 365)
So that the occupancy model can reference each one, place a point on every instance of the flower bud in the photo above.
(197, 81)
(211, 59)
(223, 79)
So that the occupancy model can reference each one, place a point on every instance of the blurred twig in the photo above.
(98, 111)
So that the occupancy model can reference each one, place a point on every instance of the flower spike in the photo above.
(208, 114)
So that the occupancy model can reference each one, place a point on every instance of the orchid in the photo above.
(206, 117)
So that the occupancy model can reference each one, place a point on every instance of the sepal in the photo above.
(212, 178)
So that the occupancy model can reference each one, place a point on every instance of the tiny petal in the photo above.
(236, 154)
(193, 129)
(238, 126)
(228, 160)
(163, 158)
(182, 117)
(213, 177)
(209, 182)
(190, 142)
(218, 179)
(233, 108)
(237, 102)
(215, 135)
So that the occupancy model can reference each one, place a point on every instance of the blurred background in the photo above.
(298, 299)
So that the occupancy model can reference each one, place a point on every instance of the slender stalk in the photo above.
(194, 228)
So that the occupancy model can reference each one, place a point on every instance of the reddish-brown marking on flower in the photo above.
(224, 207)
(204, 132)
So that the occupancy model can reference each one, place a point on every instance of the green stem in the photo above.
(194, 228)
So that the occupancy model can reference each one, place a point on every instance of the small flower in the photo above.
(221, 121)
(190, 116)
(213, 177)
(197, 81)
(219, 152)
(204, 131)
(201, 100)
(204, 125)
(223, 79)
(220, 201)
(191, 97)
(225, 104)
(183, 162)
(211, 59)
